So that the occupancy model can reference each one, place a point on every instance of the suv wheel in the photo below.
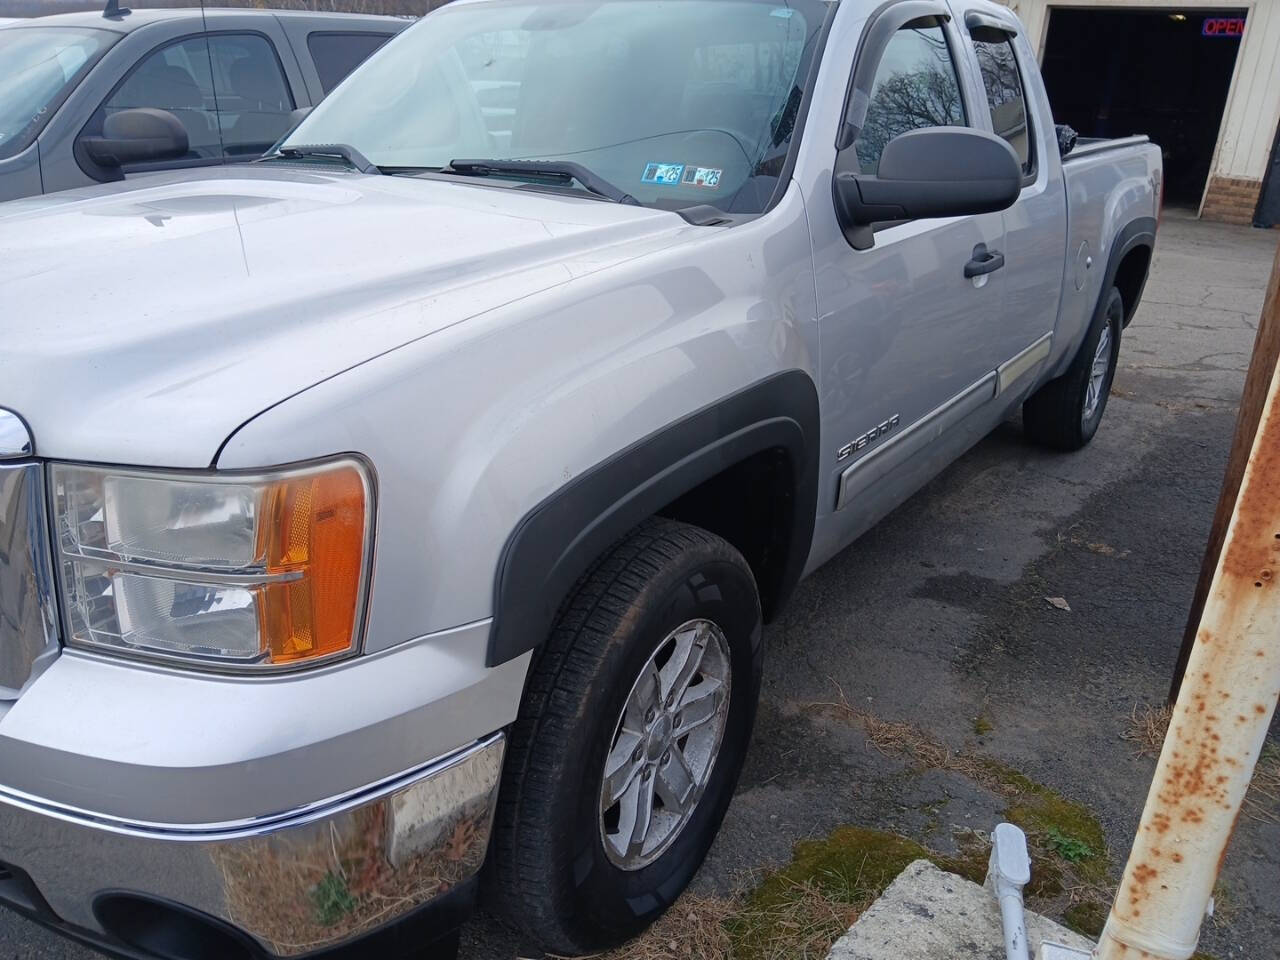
(1065, 412)
(630, 738)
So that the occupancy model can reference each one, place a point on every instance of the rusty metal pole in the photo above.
(1218, 727)
(1266, 355)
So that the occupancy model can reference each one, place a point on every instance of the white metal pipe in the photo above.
(1008, 872)
(1013, 919)
(1218, 728)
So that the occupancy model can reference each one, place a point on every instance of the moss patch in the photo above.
(1087, 918)
(1061, 828)
(982, 725)
(800, 910)
(1065, 840)
(972, 856)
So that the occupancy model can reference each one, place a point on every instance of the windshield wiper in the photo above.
(338, 151)
(561, 170)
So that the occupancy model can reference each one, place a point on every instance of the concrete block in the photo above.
(927, 914)
(423, 816)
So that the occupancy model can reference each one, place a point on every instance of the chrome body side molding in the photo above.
(1015, 368)
(882, 460)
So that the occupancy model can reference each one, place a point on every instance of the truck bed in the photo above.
(1113, 190)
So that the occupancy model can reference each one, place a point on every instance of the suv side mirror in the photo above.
(930, 172)
(138, 135)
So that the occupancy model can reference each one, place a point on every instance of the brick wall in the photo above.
(1231, 200)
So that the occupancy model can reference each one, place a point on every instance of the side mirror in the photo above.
(138, 135)
(930, 172)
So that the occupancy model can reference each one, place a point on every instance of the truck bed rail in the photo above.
(1089, 146)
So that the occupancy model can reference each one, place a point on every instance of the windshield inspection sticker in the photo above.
(664, 173)
(702, 177)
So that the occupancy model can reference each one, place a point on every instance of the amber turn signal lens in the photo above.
(313, 539)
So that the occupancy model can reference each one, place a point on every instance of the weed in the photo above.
(1071, 849)
(332, 899)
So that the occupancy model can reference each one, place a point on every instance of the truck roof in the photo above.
(141, 18)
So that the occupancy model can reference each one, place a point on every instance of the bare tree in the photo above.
(907, 101)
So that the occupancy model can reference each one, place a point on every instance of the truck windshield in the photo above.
(39, 66)
(676, 102)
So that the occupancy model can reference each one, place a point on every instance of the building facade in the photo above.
(1202, 78)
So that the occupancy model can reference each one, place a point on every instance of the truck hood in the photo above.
(145, 322)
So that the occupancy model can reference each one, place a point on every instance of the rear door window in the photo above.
(337, 54)
(254, 102)
(1006, 94)
(915, 86)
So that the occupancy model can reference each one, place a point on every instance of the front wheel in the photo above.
(1065, 412)
(630, 738)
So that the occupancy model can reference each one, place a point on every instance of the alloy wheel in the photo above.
(665, 744)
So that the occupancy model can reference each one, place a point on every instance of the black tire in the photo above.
(1055, 414)
(549, 870)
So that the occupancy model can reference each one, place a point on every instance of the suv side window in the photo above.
(254, 102)
(337, 54)
(176, 78)
(916, 85)
(1006, 94)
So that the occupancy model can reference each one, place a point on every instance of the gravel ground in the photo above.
(938, 616)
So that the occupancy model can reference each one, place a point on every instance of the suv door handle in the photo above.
(984, 261)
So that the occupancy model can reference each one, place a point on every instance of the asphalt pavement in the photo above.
(938, 616)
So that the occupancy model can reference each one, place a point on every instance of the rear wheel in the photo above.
(1065, 412)
(632, 733)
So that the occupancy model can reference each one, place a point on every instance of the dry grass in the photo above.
(801, 924)
(892, 737)
(695, 928)
(1263, 798)
(300, 891)
(800, 921)
(1147, 728)
(794, 913)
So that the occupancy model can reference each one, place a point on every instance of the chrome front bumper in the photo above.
(297, 883)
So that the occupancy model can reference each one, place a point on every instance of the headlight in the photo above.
(220, 570)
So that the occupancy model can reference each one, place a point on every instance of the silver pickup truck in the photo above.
(411, 501)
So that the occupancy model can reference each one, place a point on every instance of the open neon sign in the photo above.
(1223, 27)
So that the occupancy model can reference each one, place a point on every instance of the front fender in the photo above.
(558, 540)
(471, 429)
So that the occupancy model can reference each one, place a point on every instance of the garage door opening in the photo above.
(1166, 73)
